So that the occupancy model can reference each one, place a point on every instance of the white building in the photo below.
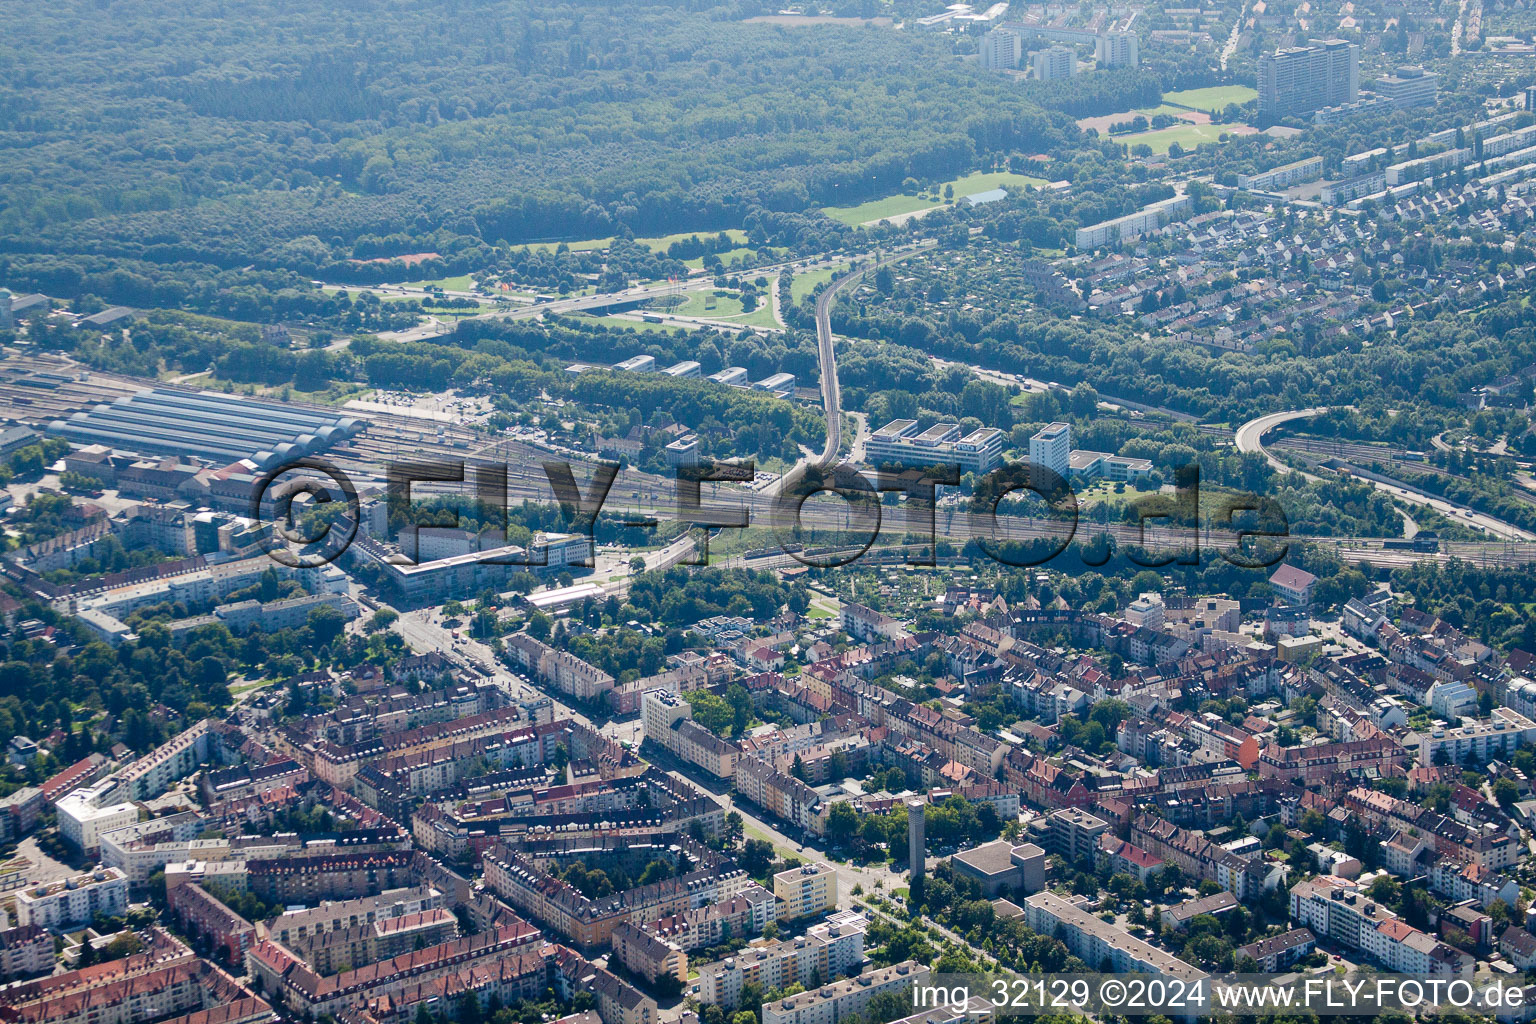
(81, 820)
(1481, 741)
(1452, 699)
(1117, 49)
(1284, 176)
(1410, 87)
(1051, 448)
(831, 1003)
(1098, 942)
(1001, 49)
(74, 901)
(825, 953)
(1132, 225)
(1147, 610)
(1054, 62)
(900, 443)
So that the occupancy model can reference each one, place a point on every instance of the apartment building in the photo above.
(1053, 62)
(75, 901)
(25, 951)
(559, 669)
(648, 954)
(1148, 219)
(1337, 909)
(748, 912)
(1001, 49)
(805, 891)
(164, 984)
(1283, 177)
(824, 953)
(1303, 79)
(668, 722)
(1100, 944)
(1073, 833)
(831, 1003)
(206, 919)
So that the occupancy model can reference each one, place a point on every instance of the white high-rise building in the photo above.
(1301, 79)
(1054, 62)
(1117, 50)
(1051, 448)
(1001, 49)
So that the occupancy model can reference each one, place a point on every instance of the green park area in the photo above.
(462, 283)
(1215, 97)
(716, 305)
(898, 205)
(802, 285)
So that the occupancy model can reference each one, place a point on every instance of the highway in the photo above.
(826, 350)
(1250, 438)
(578, 303)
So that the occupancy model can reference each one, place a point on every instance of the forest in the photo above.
(298, 135)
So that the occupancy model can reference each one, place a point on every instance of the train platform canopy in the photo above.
(208, 424)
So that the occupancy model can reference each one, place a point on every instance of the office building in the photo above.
(83, 815)
(1001, 49)
(1054, 62)
(1086, 465)
(1051, 448)
(900, 443)
(1120, 49)
(637, 364)
(1409, 87)
(734, 376)
(1530, 97)
(779, 384)
(1301, 79)
(683, 369)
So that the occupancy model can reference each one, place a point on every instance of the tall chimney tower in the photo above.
(917, 847)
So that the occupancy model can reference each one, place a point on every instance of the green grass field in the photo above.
(585, 245)
(803, 284)
(985, 181)
(724, 306)
(1187, 135)
(894, 206)
(665, 241)
(637, 325)
(1214, 98)
(462, 283)
(878, 209)
(697, 262)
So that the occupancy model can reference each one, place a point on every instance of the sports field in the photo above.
(1215, 97)
(1187, 136)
